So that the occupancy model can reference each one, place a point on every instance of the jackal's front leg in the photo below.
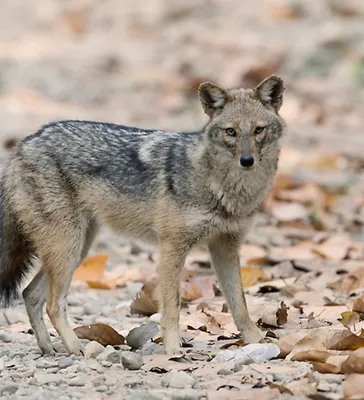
(169, 271)
(224, 252)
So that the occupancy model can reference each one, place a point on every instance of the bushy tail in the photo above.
(15, 252)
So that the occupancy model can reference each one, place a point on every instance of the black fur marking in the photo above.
(16, 253)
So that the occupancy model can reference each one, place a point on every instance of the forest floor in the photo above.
(140, 64)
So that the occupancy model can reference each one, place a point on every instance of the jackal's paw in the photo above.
(76, 348)
(252, 334)
(47, 349)
(172, 346)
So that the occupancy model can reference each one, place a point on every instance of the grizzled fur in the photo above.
(172, 189)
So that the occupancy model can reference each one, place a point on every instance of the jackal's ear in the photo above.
(212, 97)
(270, 92)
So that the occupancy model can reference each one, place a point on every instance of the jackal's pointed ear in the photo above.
(212, 97)
(270, 92)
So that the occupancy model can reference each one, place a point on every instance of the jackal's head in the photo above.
(244, 124)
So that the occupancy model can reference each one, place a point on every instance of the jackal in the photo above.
(172, 189)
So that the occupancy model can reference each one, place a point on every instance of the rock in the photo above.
(5, 337)
(131, 360)
(103, 356)
(44, 379)
(224, 371)
(137, 337)
(324, 386)
(139, 395)
(45, 364)
(93, 349)
(13, 317)
(188, 394)
(9, 389)
(2, 364)
(75, 300)
(177, 380)
(114, 357)
(106, 364)
(102, 388)
(77, 381)
(65, 362)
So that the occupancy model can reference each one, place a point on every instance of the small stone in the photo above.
(2, 364)
(44, 379)
(114, 357)
(177, 380)
(75, 300)
(13, 317)
(324, 386)
(139, 395)
(45, 364)
(98, 381)
(93, 349)
(188, 394)
(106, 364)
(77, 381)
(102, 388)
(140, 335)
(5, 337)
(224, 371)
(9, 389)
(65, 362)
(131, 360)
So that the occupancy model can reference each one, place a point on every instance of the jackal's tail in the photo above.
(15, 252)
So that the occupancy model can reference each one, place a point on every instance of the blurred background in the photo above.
(140, 63)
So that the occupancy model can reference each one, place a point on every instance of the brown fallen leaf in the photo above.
(273, 316)
(301, 251)
(190, 291)
(146, 301)
(284, 211)
(252, 254)
(288, 342)
(102, 333)
(349, 282)
(345, 340)
(91, 269)
(349, 318)
(358, 305)
(354, 363)
(250, 276)
(325, 368)
(353, 386)
(311, 355)
(334, 248)
(307, 194)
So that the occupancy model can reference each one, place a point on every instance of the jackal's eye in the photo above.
(231, 131)
(259, 129)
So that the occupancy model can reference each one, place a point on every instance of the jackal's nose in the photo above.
(247, 161)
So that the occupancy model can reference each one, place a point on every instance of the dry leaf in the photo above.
(358, 305)
(91, 269)
(353, 386)
(252, 254)
(306, 194)
(349, 318)
(325, 368)
(345, 340)
(335, 248)
(273, 316)
(349, 282)
(354, 363)
(301, 251)
(283, 211)
(288, 342)
(146, 302)
(190, 292)
(102, 333)
(311, 355)
(250, 276)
